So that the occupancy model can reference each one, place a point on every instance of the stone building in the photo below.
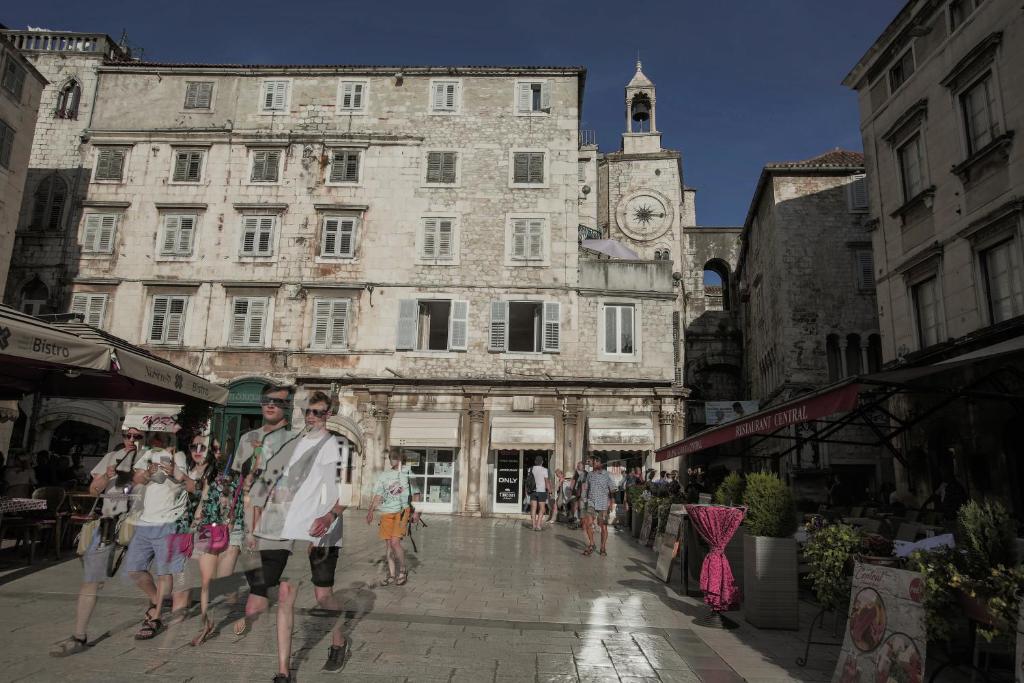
(941, 101)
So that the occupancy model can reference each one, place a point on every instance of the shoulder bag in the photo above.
(88, 530)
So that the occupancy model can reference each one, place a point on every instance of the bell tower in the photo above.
(641, 134)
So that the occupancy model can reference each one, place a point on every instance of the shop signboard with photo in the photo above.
(507, 478)
(719, 412)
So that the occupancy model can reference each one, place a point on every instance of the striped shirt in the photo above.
(599, 485)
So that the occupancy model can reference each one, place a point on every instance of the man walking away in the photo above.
(539, 497)
(598, 493)
(392, 494)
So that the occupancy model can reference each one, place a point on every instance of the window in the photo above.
(865, 270)
(978, 106)
(618, 329)
(858, 196)
(525, 326)
(925, 296)
(1001, 272)
(853, 354)
(533, 98)
(345, 166)
(35, 297)
(6, 144)
(958, 11)
(48, 203)
(198, 94)
(662, 255)
(901, 70)
(910, 157)
(248, 318)
(274, 96)
(90, 307)
(265, 165)
(177, 235)
(432, 325)
(527, 239)
(188, 166)
(833, 357)
(14, 77)
(330, 323)
(68, 100)
(528, 168)
(110, 163)
(441, 167)
(167, 320)
(258, 235)
(444, 96)
(438, 238)
(99, 233)
(339, 236)
(351, 95)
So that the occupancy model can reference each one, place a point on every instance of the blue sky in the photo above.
(740, 82)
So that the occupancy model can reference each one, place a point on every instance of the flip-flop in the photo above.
(402, 578)
(241, 627)
(204, 634)
(589, 551)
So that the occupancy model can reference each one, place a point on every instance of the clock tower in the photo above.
(641, 123)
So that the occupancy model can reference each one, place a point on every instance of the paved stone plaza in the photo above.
(487, 600)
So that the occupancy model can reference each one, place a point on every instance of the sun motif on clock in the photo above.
(644, 215)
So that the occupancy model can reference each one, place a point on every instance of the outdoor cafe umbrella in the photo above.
(716, 524)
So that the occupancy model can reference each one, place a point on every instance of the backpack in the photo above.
(531, 483)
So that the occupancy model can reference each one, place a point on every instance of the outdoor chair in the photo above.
(34, 525)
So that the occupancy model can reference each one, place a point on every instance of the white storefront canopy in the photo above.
(528, 432)
(440, 429)
(151, 417)
(620, 434)
(347, 427)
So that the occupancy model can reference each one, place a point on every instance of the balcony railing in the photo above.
(65, 41)
(587, 137)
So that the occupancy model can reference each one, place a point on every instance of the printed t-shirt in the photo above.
(162, 502)
(393, 488)
(121, 460)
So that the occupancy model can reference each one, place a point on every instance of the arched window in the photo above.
(68, 100)
(640, 113)
(716, 285)
(48, 209)
(34, 297)
(662, 255)
(874, 353)
(834, 357)
(853, 354)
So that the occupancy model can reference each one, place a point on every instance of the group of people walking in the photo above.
(278, 497)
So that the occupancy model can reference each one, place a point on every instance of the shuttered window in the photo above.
(14, 77)
(248, 319)
(177, 235)
(441, 167)
(6, 144)
(438, 238)
(865, 270)
(444, 96)
(330, 323)
(48, 206)
(274, 96)
(527, 239)
(198, 94)
(432, 325)
(350, 95)
(859, 193)
(258, 235)
(100, 231)
(552, 327)
(110, 164)
(528, 167)
(345, 166)
(978, 107)
(1003, 280)
(339, 236)
(265, 165)
(927, 303)
(90, 307)
(533, 97)
(188, 166)
(167, 320)
(910, 157)
(519, 326)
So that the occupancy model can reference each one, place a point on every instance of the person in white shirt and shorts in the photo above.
(539, 496)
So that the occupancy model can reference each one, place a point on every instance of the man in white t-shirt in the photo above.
(539, 495)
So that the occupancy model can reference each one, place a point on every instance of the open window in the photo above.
(525, 326)
(432, 325)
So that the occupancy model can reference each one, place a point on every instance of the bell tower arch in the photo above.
(641, 134)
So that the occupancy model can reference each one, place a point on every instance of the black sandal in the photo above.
(70, 646)
(402, 578)
(150, 627)
(589, 551)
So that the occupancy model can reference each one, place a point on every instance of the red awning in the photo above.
(838, 399)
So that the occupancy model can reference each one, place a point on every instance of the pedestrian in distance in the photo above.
(557, 496)
(539, 496)
(579, 483)
(597, 497)
(393, 496)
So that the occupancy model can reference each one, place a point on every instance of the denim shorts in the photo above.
(539, 496)
(149, 547)
(95, 560)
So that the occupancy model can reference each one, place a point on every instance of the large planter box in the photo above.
(734, 553)
(770, 582)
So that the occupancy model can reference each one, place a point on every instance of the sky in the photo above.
(740, 83)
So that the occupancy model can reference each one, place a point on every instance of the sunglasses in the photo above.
(315, 412)
(197, 447)
(132, 437)
(278, 402)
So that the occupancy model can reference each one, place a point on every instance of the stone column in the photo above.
(864, 359)
(570, 417)
(842, 357)
(476, 454)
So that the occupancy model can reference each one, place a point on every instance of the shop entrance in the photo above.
(510, 468)
(241, 414)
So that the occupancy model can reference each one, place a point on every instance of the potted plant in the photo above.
(876, 549)
(635, 495)
(770, 554)
(828, 553)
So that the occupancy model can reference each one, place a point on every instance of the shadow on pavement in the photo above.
(658, 589)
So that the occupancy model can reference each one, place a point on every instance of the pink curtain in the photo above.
(716, 524)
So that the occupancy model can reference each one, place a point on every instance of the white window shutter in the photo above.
(357, 96)
(346, 95)
(347, 237)
(434, 167)
(449, 96)
(552, 327)
(105, 239)
(448, 166)
(545, 96)
(430, 238)
(408, 319)
(80, 305)
(859, 193)
(204, 96)
(524, 97)
(321, 322)
(239, 315)
(176, 319)
(339, 324)
(536, 174)
(159, 319)
(519, 238)
(458, 326)
(438, 97)
(186, 233)
(170, 242)
(520, 167)
(265, 243)
(444, 238)
(865, 270)
(180, 167)
(257, 317)
(90, 236)
(536, 239)
(498, 337)
(330, 240)
(97, 308)
(250, 226)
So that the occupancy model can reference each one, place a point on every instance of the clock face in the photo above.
(644, 216)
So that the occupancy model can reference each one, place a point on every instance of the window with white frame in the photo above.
(858, 193)
(177, 234)
(167, 319)
(14, 77)
(437, 240)
(345, 166)
(910, 157)
(249, 316)
(432, 325)
(351, 95)
(528, 168)
(274, 96)
(959, 10)
(90, 307)
(258, 235)
(188, 165)
(979, 110)
(901, 70)
(925, 296)
(99, 232)
(865, 269)
(441, 167)
(339, 236)
(110, 163)
(198, 94)
(528, 239)
(619, 337)
(444, 96)
(533, 97)
(525, 327)
(330, 323)
(6, 144)
(1001, 272)
(266, 164)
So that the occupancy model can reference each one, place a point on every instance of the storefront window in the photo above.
(430, 473)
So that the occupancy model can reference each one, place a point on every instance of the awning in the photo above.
(29, 344)
(612, 248)
(151, 417)
(8, 411)
(620, 434)
(440, 429)
(527, 432)
(347, 427)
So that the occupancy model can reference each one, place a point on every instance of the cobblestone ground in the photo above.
(487, 600)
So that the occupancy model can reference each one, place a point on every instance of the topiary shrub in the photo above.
(730, 491)
(770, 508)
(828, 552)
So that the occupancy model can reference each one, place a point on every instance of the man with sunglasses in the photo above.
(112, 478)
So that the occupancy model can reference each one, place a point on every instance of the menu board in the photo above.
(885, 637)
(507, 488)
(669, 548)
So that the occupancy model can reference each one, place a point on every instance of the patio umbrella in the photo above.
(716, 524)
(612, 248)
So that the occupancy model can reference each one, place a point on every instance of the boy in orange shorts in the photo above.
(393, 495)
